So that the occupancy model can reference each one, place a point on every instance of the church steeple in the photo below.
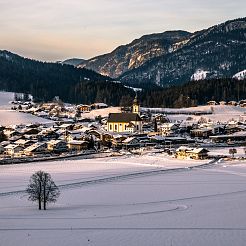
(136, 106)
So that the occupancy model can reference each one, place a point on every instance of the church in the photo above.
(126, 122)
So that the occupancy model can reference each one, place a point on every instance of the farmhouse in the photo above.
(12, 149)
(193, 153)
(36, 148)
(57, 145)
(77, 145)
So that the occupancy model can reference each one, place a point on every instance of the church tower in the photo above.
(136, 106)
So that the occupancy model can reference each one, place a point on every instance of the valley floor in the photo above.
(198, 206)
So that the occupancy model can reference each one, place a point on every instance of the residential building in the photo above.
(57, 145)
(193, 153)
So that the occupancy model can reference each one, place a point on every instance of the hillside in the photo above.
(194, 93)
(133, 55)
(47, 80)
(216, 52)
(176, 57)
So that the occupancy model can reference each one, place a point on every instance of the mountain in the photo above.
(73, 61)
(133, 55)
(216, 52)
(46, 80)
(175, 57)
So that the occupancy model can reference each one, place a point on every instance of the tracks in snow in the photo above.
(117, 178)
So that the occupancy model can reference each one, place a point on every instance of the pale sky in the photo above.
(51, 30)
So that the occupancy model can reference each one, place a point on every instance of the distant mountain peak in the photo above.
(73, 61)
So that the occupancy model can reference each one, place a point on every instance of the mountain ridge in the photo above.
(134, 54)
(158, 59)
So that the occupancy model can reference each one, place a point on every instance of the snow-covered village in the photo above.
(122, 123)
(176, 163)
(75, 130)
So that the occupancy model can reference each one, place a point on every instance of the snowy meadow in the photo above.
(139, 201)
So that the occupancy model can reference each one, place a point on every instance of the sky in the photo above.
(52, 30)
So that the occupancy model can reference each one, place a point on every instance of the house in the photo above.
(168, 129)
(36, 148)
(57, 145)
(12, 149)
(99, 105)
(77, 145)
(202, 132)
(66, 126)
(47, 134)
(229, 138)
(84, 108)
(232, 103)
(131, 142)
(30, 131)
(24, 142)
(126, 122)
(193, 153)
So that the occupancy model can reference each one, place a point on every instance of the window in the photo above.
(115, 127)
(110, 127)
(137, 128)
(125, 127)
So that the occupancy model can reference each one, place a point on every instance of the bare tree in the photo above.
(42, 189)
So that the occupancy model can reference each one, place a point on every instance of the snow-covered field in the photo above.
(9, 117)
(220, 113)
(199, 206)
(5, 98)
(104, 112)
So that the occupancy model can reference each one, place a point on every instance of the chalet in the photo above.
(230, 138)
(11, 133)
(168, 129)
(192, 153)
(57, 145)
(84, 108)
(117, 141)
(202, 132)
(75, 136)
(37, 148)
(66, 126)
(131, 142)
(232, 103)
(77, 145)
(31, 131)
(24, 142)
(99, 105)
(242, 103)
(12, 149)
(47, 134)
